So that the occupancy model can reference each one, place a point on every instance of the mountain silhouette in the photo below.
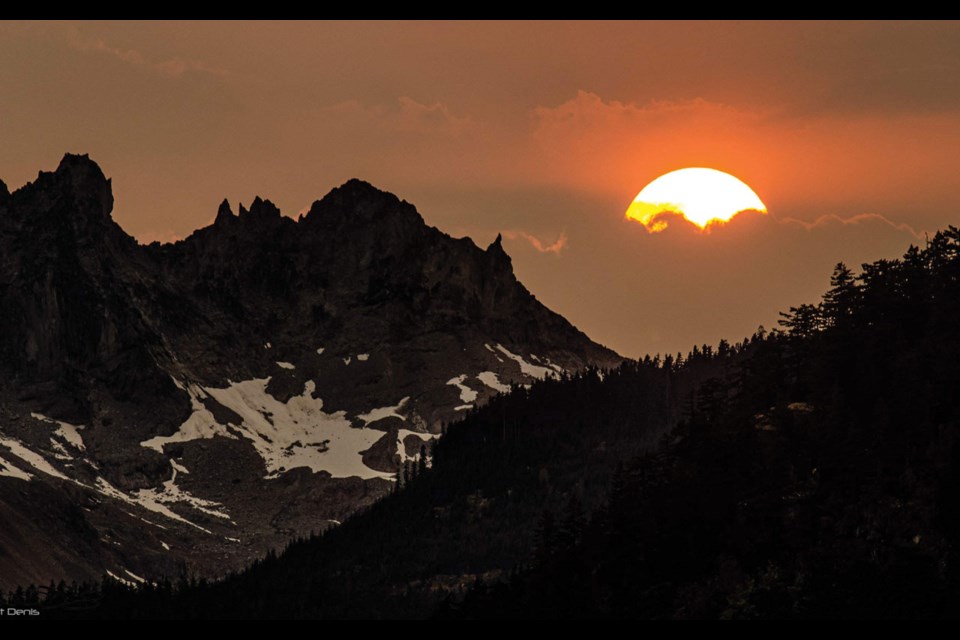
(187, 407)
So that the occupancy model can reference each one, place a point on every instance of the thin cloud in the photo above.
(555, 247)
(415, 116)
(172, 68)
(407, 116)
(831, 219)
(588, 111)
(606, 145)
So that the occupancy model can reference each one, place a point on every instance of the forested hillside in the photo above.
(811, 471)
(821, 480)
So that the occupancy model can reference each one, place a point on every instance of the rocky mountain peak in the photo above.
(263, 209)
(77, 194)
(80, 164)
(224, 213)
(83, 179)
(360, 203)
(497, 253)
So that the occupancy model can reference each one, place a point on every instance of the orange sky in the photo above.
(543, 131)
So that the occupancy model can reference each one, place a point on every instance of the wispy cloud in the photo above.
(862, 218)
(555, 247)
(407, 115)
(604, 144)
(588, 111)
(172, 68)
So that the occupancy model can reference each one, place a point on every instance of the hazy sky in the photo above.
(849, 132)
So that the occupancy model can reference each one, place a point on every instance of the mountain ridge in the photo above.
(260, 379)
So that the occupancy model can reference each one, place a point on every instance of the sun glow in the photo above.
(703, 196)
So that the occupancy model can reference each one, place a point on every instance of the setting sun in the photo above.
(702, 196)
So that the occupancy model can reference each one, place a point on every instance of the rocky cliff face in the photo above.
(186, 407)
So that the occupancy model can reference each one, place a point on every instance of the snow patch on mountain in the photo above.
(59, 451)
(526, 368)
(201, 425)
(150, 499)
(490, 379)
(135, 576)
(402, 435)
(494, 352)
(67, 432)
(467, 394)
(550, 363)
(178, 467)
(170, 493)
(145, 499)
(384, 412)
(123, 581)
(7, 469)
(297, 433)
(286, 365)
(33, 459)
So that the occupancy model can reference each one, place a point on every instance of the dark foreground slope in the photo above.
(822, 482)
(815, 475)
